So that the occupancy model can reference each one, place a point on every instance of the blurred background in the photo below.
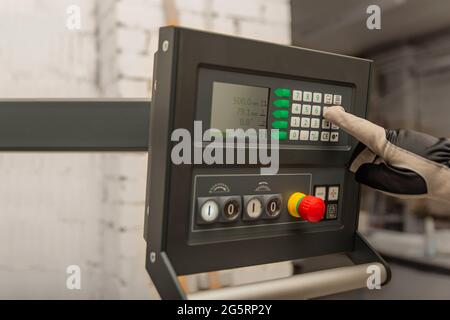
(87, 209)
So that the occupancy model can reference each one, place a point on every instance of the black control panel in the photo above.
(203, 216)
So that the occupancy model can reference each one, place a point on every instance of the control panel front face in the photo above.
(206, 215)
(236, 204)
(231, 100)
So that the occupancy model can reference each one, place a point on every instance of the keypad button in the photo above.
(334, 137)
(282, 92)
(307, 96)
(317, 97)
(315, 110)
(293, 135)
(320, 192)
(332, 210)
(325, 109)
(279, 124)
(281, 103)
(315, 123)
(306, 109)
(334, 127)
(325, 136)
(280, 114)
(304, 135)
(314, 135)
(325, 124)
(337, 99)
(280, 135)
(295, 121)
(305, 122)
(333, 193)
(297, 95)
(328, 98)
(296, 108)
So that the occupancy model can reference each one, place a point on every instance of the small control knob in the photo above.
(209, 211)
(307, 207)
(231, 209)
(254, 208)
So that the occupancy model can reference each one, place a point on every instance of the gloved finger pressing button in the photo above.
(404, 163)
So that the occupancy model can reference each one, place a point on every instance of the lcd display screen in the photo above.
(237, 106)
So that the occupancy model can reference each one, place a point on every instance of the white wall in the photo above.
(87, 209)
(50, 204)
(39, 56)
(128, 33)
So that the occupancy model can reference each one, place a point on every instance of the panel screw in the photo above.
(165, 45)
(152, 257)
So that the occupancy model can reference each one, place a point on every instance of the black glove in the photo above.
(403, 163)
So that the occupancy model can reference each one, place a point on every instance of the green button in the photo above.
(281, 103)
(279, 124)
(280, 135)
(281, 114)
(282, 92)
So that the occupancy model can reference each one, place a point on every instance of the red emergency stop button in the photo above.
(307, 207)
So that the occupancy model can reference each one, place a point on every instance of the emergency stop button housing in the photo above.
(306, 207)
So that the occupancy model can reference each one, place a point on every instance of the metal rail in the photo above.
(303, 286)
(74, 125)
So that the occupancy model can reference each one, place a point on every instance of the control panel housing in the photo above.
(210, 217)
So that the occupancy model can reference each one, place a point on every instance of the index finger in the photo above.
(372, 135)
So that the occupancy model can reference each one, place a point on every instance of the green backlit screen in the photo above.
(239, 106)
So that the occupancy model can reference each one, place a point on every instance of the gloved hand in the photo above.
(403, 163)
